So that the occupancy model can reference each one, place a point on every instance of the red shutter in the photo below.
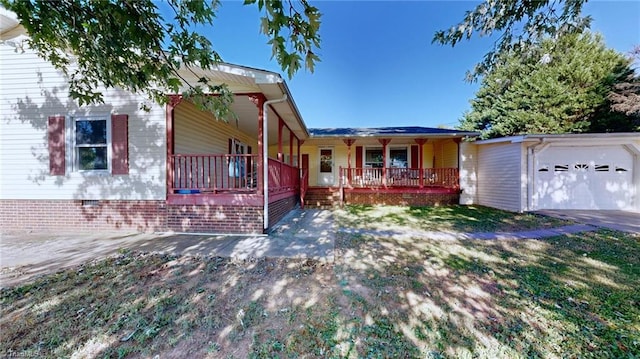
(119, 144)
(358, 156)
(415, 157)
(55, 136)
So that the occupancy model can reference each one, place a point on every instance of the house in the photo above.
(114, 166)
(564, 171)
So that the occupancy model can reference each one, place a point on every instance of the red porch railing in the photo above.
(399, 177)
(282, 177)
(213, 173)
(304, 185)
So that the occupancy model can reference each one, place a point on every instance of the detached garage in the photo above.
(573, 171)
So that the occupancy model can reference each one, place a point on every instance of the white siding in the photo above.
(499, 176)
(468, 173)
(31, 91)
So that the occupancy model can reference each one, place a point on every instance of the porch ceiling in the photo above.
(247, 120)
(243, 80)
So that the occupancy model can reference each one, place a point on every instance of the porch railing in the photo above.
(399, 177)
(304, 185)
(214, 172)
(282, 177)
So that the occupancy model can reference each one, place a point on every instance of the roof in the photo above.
(634, 136)
(388, 131)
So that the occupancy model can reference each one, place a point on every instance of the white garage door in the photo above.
(598, 177)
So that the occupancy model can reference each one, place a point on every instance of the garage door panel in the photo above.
(583, 178)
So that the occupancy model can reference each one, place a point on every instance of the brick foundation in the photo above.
(215, 218)
(77, 216)
(278, 209)
(127, 216)
(401, 199)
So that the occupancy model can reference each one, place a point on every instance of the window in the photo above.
(602, 168)
(398, 157)
(91, 148)
(88, 144)
(561, 168)
(326, 160)
(373, 158)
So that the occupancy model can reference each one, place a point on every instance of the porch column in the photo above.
(280, 126)
(349, 142)
(300, 143)
(291, 148)
(384, 142)
(259, 100)
(174, 100)
(421, 142)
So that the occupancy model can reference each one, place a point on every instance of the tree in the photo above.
(521, 23)
(625, 97)
(130, 45)
(559, 86)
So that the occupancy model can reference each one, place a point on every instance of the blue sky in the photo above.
(378, 65)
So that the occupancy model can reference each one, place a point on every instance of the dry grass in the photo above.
(568, 296)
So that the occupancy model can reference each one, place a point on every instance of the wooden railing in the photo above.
(304, 185)
(399, 177)
(213, 173)
(282, 177)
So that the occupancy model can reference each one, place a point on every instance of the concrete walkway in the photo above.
(301, 234)
(625, 221)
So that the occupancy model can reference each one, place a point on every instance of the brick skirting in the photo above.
(215, 218)
(401, 199)
(127, 216)
(278, 209)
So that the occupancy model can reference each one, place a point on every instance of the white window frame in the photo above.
(387, 155)
(399, 147)
(364, 156)
(74, 158)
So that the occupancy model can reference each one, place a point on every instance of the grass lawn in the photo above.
(444, 218)
(568, 296)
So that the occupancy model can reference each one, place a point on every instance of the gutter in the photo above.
(265, 158)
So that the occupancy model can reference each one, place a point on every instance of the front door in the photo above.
(326, 176)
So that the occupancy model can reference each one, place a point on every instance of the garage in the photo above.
(587, 171)
(584, 177)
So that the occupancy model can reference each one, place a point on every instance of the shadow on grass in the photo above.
(568, 296)
(456, 218)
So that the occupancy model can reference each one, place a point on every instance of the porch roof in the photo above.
(414, 131)
(244, 80)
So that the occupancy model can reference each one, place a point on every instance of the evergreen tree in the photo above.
(558, 86)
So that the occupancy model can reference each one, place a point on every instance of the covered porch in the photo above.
(221, 174)
(391, 165)
(211, 160)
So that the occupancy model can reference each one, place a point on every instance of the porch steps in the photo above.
(322, 197)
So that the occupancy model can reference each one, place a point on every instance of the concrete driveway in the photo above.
(302, 234)
(625, 221)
